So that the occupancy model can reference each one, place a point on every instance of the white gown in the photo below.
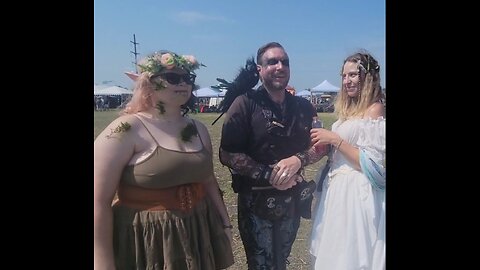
(348, 232)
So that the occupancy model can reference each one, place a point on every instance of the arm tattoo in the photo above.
(242, 164)
(311, 156)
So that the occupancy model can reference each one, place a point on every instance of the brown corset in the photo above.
(182, 197)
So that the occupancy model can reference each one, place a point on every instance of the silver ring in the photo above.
(284, 174)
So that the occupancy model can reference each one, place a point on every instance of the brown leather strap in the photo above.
(182, 197)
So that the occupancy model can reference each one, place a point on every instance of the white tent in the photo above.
(325, 86)
(97, 87)
(303, 93)
(111, 91)
(206, 92)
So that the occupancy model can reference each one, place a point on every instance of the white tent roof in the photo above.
(112, 90)
(325, 86)
(303, 93)
(97, 87)
(207, 92)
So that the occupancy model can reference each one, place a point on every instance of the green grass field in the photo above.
(299, 257)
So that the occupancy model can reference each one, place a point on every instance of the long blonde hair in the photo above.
(370, 88)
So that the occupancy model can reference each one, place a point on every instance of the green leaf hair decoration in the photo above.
(161, 107)
(188, 132)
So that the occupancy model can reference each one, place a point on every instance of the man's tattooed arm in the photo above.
(311, 156)
(244, 165)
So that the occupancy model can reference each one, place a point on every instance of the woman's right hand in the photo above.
(321, 136)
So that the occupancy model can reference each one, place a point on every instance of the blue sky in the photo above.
(317, 35)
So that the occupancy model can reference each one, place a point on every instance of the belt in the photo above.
(182, 197)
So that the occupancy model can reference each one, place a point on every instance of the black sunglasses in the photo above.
(273, 61)
(175, 78)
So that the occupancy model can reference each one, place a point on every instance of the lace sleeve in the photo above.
(242, 164)
(311, 155)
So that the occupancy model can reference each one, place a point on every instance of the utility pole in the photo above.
(135, 52)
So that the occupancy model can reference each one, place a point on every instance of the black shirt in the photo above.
(265, 131)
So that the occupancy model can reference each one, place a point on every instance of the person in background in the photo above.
(265, 140)
(349, 226)
(169, 213)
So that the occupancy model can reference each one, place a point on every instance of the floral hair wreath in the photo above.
(165, 60)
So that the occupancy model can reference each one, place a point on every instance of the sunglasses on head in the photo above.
(273, 61)
(175, 78)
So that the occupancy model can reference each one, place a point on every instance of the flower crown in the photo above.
(160, 61)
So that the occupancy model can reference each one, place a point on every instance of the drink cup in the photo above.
(317, 123)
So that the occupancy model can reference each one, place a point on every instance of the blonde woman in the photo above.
(349, 227)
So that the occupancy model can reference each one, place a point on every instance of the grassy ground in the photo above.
(299, 257)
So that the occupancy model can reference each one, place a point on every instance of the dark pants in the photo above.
(260, 235)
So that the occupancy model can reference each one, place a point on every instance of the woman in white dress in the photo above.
(349, 228)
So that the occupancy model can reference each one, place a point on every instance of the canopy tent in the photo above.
(304, 93)
(97, 87)
(108, 97)
(325, 86)
(207, 92)
(111, 91)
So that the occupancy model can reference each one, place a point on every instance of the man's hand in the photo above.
(289, 183)
(284, 170)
